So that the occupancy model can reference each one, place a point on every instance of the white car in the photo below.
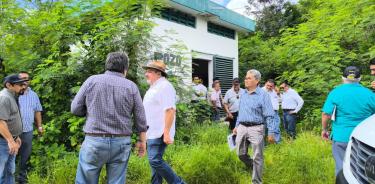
(359, 161)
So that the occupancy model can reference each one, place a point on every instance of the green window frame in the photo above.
(221, 30)
(178, 17)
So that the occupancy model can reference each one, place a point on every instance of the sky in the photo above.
(238, 5)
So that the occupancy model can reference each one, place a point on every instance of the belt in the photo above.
(288, 109)
(106, 135)
(249, 124)
(14, 137)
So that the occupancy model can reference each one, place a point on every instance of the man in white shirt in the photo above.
(216, 101)
(160, 107)
(269, 87)
(200, 91)
(291, 103)
(232, 102)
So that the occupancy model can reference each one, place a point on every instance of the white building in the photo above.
(209, 31)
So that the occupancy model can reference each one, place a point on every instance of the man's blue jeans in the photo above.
(24, 154)
(289, 121)
(7, 164)
(277, 135)
(99, 151)
(159, 168)
(338, 152)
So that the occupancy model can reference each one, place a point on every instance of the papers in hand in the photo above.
(231, 141)
(333, 116)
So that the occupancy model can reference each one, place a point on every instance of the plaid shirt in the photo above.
(29, 104)
(109, 101)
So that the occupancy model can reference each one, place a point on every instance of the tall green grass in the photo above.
(207, 160)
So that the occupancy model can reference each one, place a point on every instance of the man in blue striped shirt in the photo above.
(255, 110)
(31, 111)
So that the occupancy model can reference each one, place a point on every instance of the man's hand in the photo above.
(325, 135)
(234, 131)
(140, 146)
(373, 84)
(18, 141)
(40, 131)
(167, 138)
(229, 115)
(271, 139)
(14, 146)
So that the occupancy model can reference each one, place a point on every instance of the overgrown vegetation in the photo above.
(207, 159)
(312, 54)
(61, 43)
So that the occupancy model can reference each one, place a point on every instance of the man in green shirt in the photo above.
(347, 105)
(10, 126)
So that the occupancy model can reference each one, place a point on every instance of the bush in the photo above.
(207, 159)
(306, 160)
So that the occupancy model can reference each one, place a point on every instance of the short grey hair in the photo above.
(117, 62)
(255, 73)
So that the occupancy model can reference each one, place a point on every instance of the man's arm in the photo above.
(169, 117)
(12, 145)
(140, 122)
(299, 102)
(268, 113)
(325, 120)
(78, 106)
(38, 122)
(226, 105)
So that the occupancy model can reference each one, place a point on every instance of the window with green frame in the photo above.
(221, 30)
(178, 17)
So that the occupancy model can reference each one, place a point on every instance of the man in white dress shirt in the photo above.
(269, 87)
(291, 103)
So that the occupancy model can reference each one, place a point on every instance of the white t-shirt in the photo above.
(233, 99)
(160, 97)
(201, 90)
(216, 96)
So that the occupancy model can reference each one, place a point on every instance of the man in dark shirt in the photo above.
(109, 101)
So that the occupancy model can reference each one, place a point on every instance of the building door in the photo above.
(223, 69)
(200, 68)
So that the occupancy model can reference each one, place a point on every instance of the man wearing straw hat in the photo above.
(160, 107)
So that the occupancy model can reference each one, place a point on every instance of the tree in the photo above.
(273, 15)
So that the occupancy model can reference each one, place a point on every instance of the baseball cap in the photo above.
(14, 79)
(352, 72)
(236, 80)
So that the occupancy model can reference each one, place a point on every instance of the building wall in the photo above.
(204, 44)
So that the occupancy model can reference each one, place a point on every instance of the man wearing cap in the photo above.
(160, 106)
(109, 102)
(255, 112)
(31, 111)
(346, 105)
(232, 102)
(269, 87)
(291, 103)
(10, 126)
(372, 68)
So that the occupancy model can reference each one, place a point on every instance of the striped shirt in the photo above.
(29, 104)
(110, 101)
(256, 107)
